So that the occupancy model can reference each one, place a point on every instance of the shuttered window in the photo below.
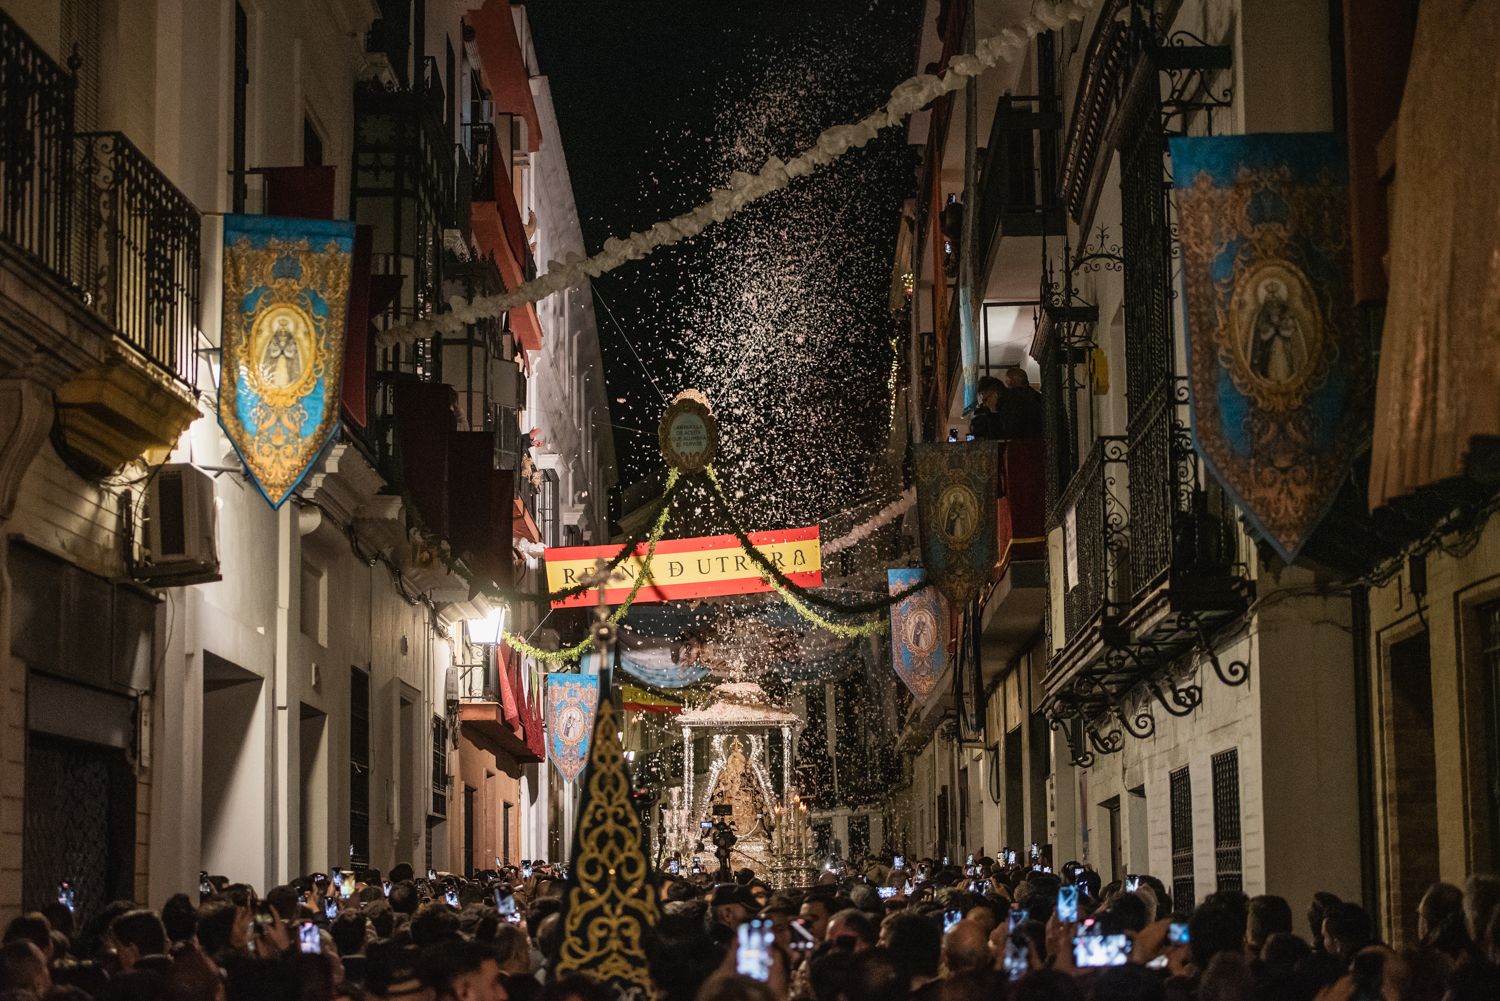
(1228, 857)
(1184, 895)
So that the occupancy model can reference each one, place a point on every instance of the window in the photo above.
(505, 834)
(1183, 893)
(439, 767)
(547, 509)
(1228, 862)
(241, 104)
(359, 768)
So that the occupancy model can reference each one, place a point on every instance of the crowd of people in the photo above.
(881, 930)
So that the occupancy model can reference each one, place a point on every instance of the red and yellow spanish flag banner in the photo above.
(688, 568)
(636, 699)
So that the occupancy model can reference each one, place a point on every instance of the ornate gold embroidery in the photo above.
(610, 902)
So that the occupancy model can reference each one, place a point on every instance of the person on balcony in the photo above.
(985, 424)
(1020, 410)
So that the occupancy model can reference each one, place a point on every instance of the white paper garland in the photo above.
(906, 97)
(881, 518)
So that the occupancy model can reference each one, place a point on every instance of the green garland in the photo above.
(574, 653)
(842, 630)
(784, 584)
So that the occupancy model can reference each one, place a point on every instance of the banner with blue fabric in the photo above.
(1278, 370)
(919, 632)
(572, 701)
(286, 295)
(957, 493)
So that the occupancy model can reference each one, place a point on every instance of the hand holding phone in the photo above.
(885, 892)
(1177, 933)
(674, 867)
(753, 957)
(1132, 882)
(1100, 950)
(330, 908)
(451, 896)
(308, 938)
(951, 918)
(1067, 904)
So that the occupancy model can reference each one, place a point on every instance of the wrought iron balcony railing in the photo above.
(483, 152)
(95, 212)
(136, 256)
(36, 123)
(1094, 520)
(1181, 523)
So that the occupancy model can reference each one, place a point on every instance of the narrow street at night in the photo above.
(679, 500)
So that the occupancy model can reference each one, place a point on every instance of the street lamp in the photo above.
(485, 632)
(488, 630)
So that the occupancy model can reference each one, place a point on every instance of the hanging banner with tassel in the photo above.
(919, 632)
(286, 294)
(1278, 369)
(957, 491)
(572, 701)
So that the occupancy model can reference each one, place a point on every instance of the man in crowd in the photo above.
(1237, 946)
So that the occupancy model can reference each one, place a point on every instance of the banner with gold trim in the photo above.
(572, 700)
(1278, 370)
(957, 485)
(286, 296)
(919, 632)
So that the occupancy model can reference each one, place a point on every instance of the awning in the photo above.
(523, 526)
(503, 65)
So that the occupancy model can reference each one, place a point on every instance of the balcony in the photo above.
(495, 713)
(1150, 572)
(403, 188)
(1016, 603)
(1020, 203)
(498, 229)
(103, 250)
(1090, 517)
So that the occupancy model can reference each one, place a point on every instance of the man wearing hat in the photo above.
(732, 905)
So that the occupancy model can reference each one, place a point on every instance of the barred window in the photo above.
(1183, 893)
(1228, 858)
(439, 767)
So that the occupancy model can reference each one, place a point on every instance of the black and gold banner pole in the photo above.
(610, 904)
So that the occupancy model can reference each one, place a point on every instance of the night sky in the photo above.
(780, 314)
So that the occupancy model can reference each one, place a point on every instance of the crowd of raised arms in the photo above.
(971, 929)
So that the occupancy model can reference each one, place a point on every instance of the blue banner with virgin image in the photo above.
(1279, 373)
(286, 295)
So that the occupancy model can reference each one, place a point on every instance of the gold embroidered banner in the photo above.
(286, 293)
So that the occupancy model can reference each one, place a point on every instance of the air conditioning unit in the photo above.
(181, 537)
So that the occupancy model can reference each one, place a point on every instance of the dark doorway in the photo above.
(1112, 809)
(1412, 783)
(1015, 791)
(468, 862)
(79, 824)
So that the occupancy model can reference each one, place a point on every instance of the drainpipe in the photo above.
(1364, 740)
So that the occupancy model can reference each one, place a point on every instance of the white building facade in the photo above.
(299, 691)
